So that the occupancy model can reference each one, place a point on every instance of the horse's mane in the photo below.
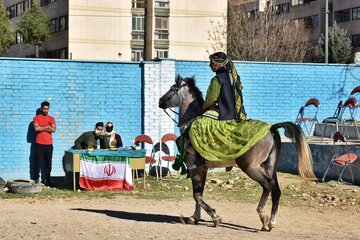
(194, 89)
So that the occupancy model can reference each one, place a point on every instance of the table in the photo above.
(72, 159)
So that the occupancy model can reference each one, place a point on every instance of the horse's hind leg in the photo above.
(275, 197)
(267, 184)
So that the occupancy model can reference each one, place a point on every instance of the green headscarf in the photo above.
(221, 60)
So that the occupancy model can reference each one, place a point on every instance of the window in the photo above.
(161, 28)
(137, 55)
(161, 53)
(138, 22)
(161, 35)
(253, 14)
(356, 13)
(53, 25)
(138, 36)
(355, 40)
(138, 3)
(19, 38)
(299, 2)
(46, 2)
(311, 21)
(62, 23)
(342, 16)
(161, 23)
(162, 3)
(58, 53)
(27, 4)
(12, 11)
(63, 53)
(281, 8)
(19, 8)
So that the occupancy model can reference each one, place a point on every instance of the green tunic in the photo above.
(226, 140)
(86, 140)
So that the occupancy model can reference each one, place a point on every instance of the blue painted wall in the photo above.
(274, 92)
(85, 92)
(80, 93)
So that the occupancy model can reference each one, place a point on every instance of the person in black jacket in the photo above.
(112, 138)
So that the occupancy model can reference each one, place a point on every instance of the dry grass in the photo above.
(231, 186)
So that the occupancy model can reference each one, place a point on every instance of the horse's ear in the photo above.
(178, 79)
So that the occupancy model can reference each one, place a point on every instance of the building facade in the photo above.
(127, 30)
(346, 13)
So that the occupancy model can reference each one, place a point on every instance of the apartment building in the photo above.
(126, 30)
(346, 13)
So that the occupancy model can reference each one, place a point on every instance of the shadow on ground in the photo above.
(160, 218)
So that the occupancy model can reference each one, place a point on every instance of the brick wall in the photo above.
(274, 92)
(80, 93)
(84, 92)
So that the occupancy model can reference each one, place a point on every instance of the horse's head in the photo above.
(172, 97)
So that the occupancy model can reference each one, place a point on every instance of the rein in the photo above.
(175, 91)
(172, 117)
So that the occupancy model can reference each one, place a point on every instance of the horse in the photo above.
(259, 162)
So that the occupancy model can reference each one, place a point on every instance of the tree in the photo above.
(35, 26)
(339, 46)
(260, 36)
(7, 36)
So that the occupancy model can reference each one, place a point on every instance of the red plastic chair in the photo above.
(306, 121)
(149, 158)
(166, 139)
(342, 161)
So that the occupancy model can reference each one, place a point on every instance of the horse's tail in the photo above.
(304, 154)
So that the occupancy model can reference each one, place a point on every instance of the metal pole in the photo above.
(326, 31)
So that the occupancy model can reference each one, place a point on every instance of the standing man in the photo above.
(44, 126)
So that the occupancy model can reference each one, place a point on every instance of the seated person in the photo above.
(88, 140)
(112, 138)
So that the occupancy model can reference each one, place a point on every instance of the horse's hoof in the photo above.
(265, 229)
(192, 221)
(217, 221)
(272, 225)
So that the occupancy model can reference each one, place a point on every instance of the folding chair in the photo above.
(352, 107)
(341, 161)
(335, 119)
(149, 158)
(305, 120)
(354, 91)
(169, 137)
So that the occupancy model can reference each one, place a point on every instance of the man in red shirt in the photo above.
(44, 126)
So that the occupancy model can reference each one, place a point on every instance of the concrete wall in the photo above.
(84, 92)
(321, 156)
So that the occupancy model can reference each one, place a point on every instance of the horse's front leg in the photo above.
(198, 177)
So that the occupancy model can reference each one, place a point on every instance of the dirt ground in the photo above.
(129, 218)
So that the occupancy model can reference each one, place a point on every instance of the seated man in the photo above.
(112, 138)
(89, 140)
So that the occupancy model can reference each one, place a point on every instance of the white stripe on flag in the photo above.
(101, 171)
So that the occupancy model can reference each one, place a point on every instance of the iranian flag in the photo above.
(105, 173)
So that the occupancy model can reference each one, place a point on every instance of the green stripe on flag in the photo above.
(103, 159)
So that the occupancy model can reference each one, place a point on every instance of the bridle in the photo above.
(175, 90)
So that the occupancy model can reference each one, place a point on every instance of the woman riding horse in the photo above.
(252, 145)
(224, 93)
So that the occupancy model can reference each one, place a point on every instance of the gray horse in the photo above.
(259, 162)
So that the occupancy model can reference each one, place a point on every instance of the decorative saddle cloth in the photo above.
(226, 140)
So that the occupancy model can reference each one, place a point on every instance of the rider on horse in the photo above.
(224, 94)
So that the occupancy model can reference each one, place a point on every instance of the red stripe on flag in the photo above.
(105, 184)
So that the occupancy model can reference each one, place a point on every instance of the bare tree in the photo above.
(267, 36)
